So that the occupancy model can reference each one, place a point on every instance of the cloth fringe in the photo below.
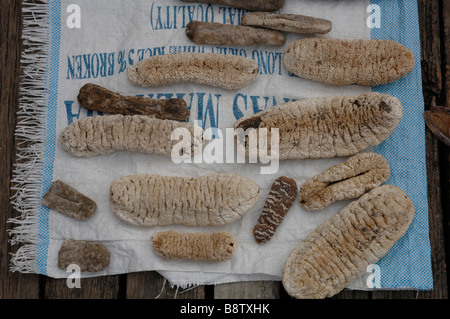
(30, 136)
(184, 288)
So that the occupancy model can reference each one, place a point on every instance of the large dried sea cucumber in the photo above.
(339, 250)
(225, 71)
(97, 135)
(324, 127)
(209, 200)
(209, 247)
(351, 179)
(344, 62)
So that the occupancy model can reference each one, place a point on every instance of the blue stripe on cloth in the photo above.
(53, 37)
(408, 264)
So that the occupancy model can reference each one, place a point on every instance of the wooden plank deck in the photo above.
(435, 36)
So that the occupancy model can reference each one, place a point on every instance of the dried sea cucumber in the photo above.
(208, 200)
(210, 247)
(351, 179)
(295, 23)
(280, 199)
(345, 62)
(323, 127)
(218, 33)
(224, 71)
(340, 249)
(250, 5)
(68, 201)
(89, 256)
(97, 98)
(97, 135)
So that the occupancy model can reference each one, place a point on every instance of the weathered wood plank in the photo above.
(445, 150)
(248, 290)
(151, 285)
(429, 19)
(446, 41)
(90, 288)
(436, 221)
(352, 294)
(394, 294)
(432, 35)
(12, 285)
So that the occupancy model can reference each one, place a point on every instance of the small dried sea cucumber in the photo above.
(89, 256)
(339, 250)
(218, 33)
(324, 127)
(209, 200)
(97, 135)
(97, 98)
(280, 199)
(68, 201)
(224, 71)
(250, 5)
(351, 179)
(345, 62)
(210, 247)
(295, 23)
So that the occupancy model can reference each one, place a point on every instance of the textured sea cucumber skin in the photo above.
(351, 179)
(68, 201)
(278, 202)
(250, 5)
(209, 247)
(325, 127)
(98, 135)
(210, 200)
(345, 62)
(89, 256)
(218, 33)
(224, 71)
(97, 98)
(296, 23)
(340, 249)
